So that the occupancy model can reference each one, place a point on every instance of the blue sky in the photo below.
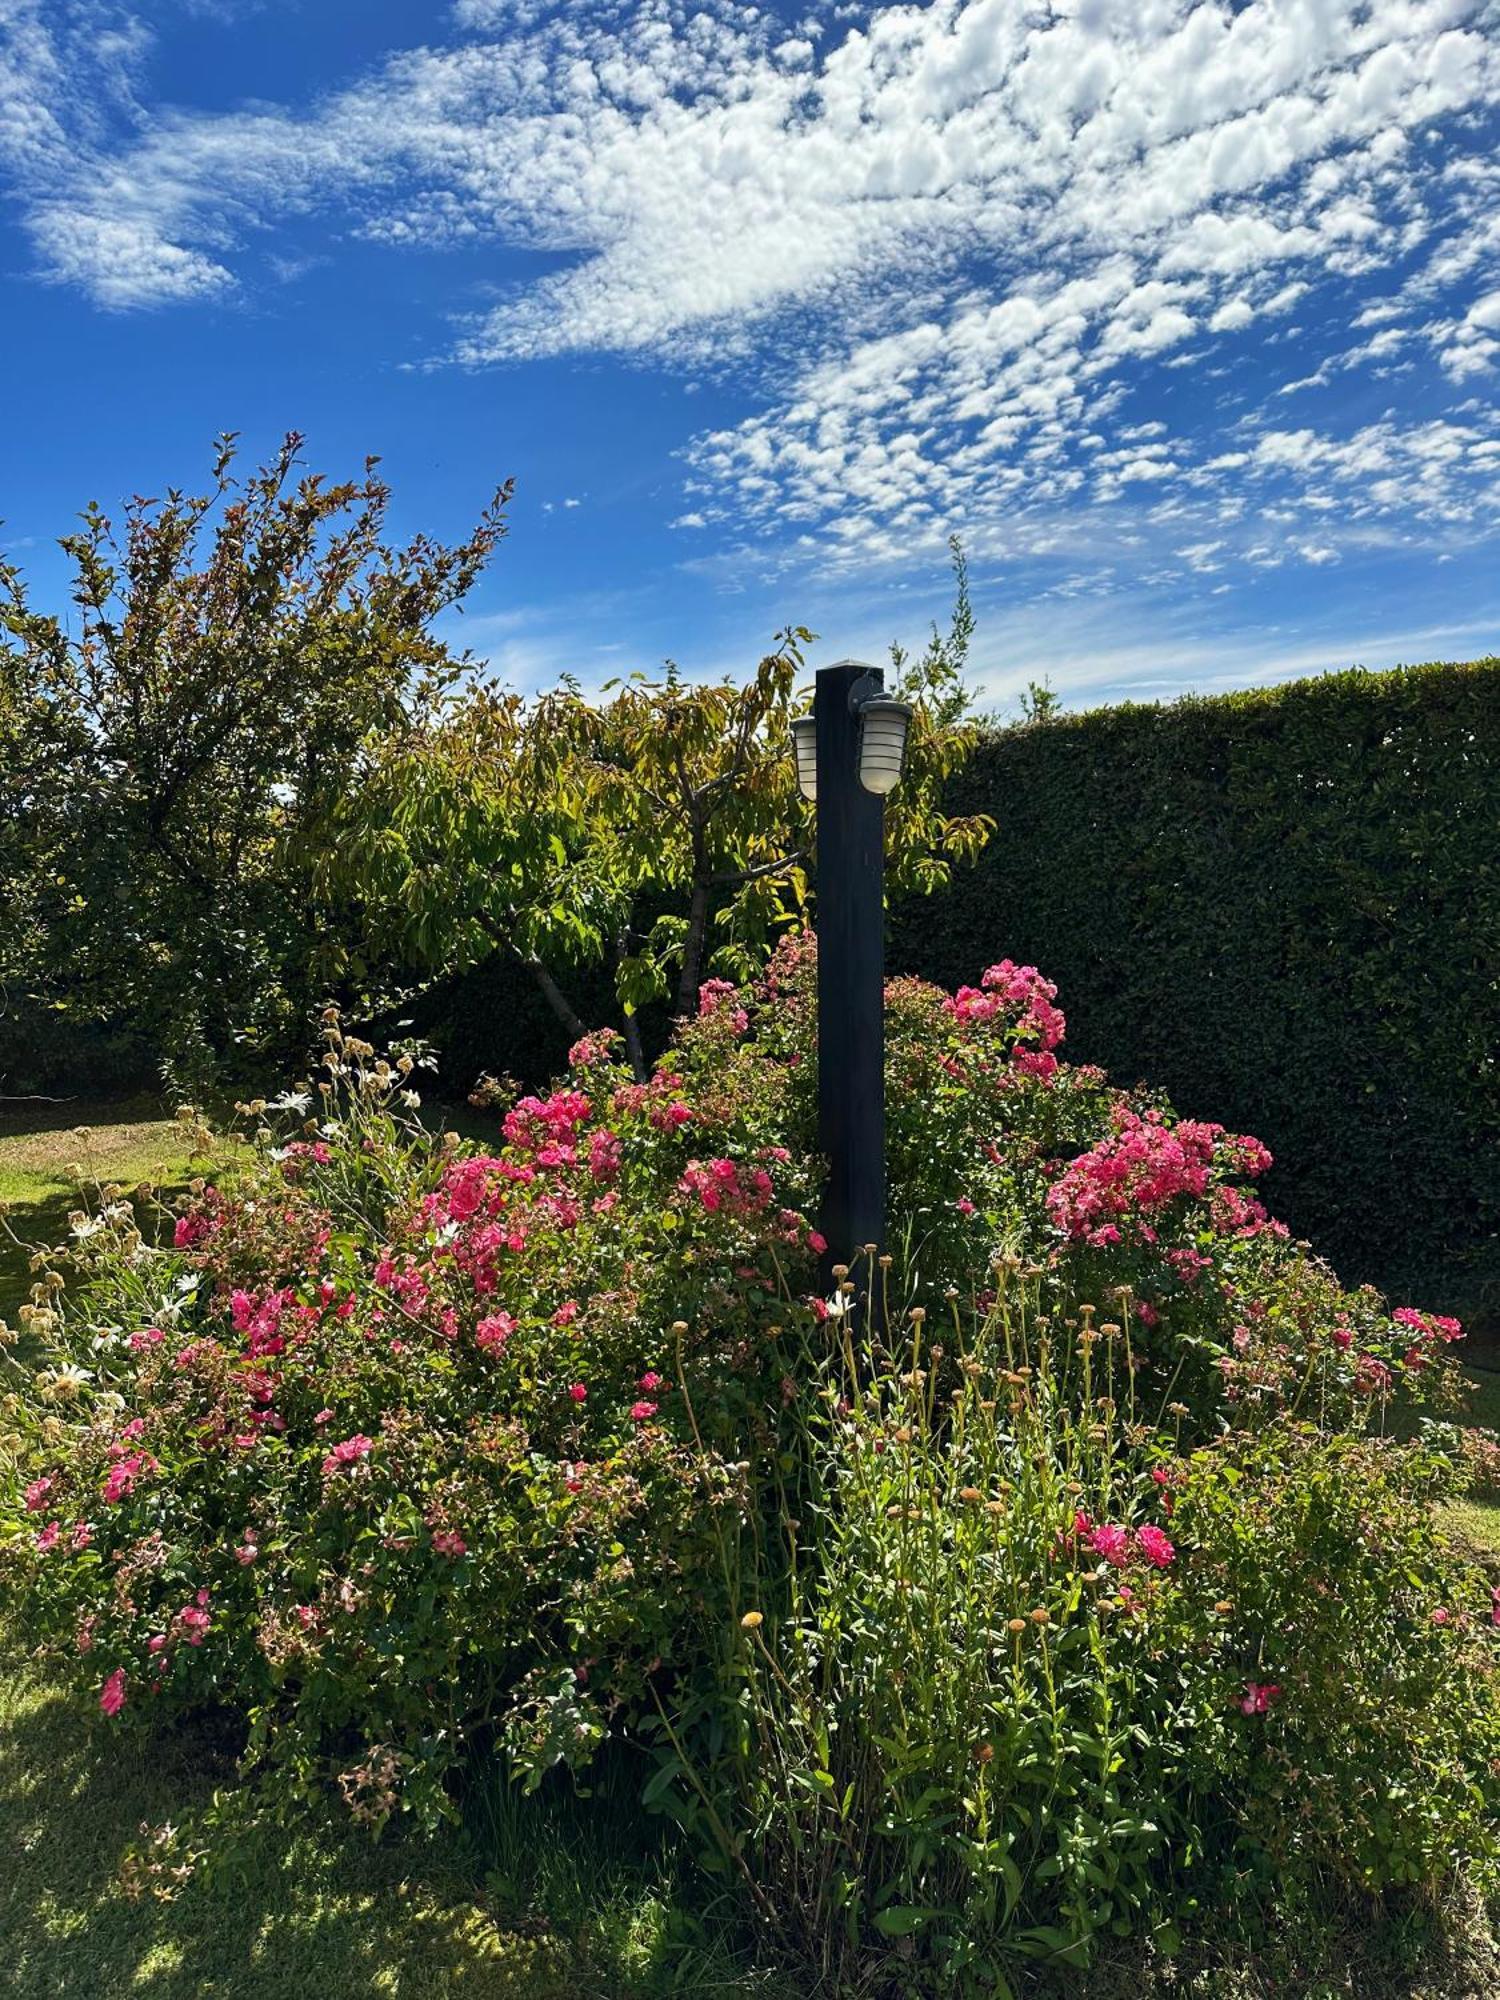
(1186, 317)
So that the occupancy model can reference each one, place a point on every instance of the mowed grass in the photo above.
(1476, 1519)
(533, 1901)
(51, 1155)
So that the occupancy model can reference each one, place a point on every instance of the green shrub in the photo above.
(936, 1614)
(1029, 1674)
(392, 1437)
(1365, 1644)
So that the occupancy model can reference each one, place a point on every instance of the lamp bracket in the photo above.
(867, 688)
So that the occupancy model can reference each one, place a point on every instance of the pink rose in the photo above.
(350, 1452)
(1154, 1546)
(1113, 1543)
(1258, 1697)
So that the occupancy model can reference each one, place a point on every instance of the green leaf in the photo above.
(901, 1919)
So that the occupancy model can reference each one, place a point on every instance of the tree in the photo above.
(1040, 703)
(185, 744)
(658, 828)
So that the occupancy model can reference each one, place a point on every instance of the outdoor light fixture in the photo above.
(849, 756)
(882, 743)
(805, 741)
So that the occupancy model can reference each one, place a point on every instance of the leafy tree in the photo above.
(1040, 703)
(38, 739)
(175, 755)
(658, 828)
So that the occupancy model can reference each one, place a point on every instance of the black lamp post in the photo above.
(849, 755)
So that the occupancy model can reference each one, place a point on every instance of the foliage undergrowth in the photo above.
(1040, 1584)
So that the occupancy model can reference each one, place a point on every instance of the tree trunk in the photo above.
(633, 1046)
(692, 952)
(631, 1019)
(554, 996)
(550, 991)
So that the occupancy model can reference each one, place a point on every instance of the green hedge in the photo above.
(1284, 908)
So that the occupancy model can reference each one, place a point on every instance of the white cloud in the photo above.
(121, 259)
(953, 237)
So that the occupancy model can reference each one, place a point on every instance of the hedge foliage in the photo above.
(1282, 907)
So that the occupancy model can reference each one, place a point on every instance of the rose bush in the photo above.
(397, 1428)
(995, 1143)
(982, 1639)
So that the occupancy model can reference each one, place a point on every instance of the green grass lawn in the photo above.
(49, 1152)
(529, 1902)
(1478, 1520)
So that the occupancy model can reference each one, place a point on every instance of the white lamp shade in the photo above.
(805, 740)
(882, 743)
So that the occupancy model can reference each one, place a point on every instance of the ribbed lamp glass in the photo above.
(805, 740)
(882, 743)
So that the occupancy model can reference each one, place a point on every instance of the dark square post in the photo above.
(851, 971)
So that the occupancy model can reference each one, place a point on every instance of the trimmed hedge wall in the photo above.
(1282, 907)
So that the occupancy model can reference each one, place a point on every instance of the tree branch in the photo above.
(551, 992)
(742, 875)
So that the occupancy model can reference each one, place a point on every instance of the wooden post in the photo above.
(851, 970)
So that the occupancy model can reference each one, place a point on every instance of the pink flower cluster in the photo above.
(120, 1480)
(1427, 1329)
(1146, 1166)
(660, 1100)
(1121, 1546)
(193, 1620)
(590, 1050)
(548, 1127)
(1258, 1696)
(1371, 1376)
(350, 1452)
(724, 1185)
(260, 1320)
(714, 997)
(295, 1157)
(493, 1332)
(1016, 994)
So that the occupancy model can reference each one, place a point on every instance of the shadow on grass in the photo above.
(536, 1900)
